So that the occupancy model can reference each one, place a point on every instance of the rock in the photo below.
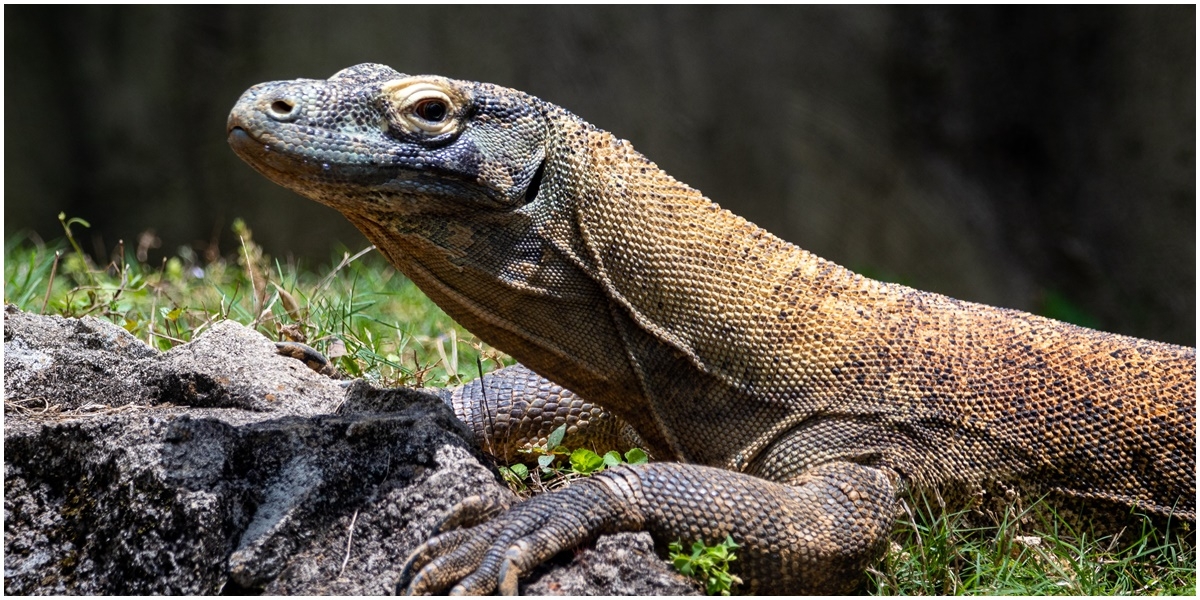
(69, 363)
(622, 564)
(221, 467)
(88, 364)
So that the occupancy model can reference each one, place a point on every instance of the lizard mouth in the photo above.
(289, 169)
(307, 176)
(311, 177)
(259, 154)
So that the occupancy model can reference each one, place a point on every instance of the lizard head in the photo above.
(445, 177)
(409, 143)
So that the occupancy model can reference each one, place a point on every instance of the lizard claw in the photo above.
(473, 511)
(429, 559)
(494, 555)
(510, 572)
(309, 356)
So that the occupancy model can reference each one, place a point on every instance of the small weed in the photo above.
(558, 465)
(707, 564)
(515, 475)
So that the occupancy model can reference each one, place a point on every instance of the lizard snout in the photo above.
(266, 104)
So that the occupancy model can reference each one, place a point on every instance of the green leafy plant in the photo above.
(546, 454)
(515, 476)
(586, 462)
(579, 461)
(707, 564)
(557, 464)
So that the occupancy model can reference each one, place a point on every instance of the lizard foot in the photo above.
(816, 535)
(495, 554)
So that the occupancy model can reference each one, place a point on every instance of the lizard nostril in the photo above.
(283, 110)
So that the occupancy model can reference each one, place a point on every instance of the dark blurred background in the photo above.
(1035, 158)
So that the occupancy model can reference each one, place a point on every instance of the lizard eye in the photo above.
(422, 107)
(431, 109)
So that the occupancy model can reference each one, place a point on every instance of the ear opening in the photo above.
(535, 183)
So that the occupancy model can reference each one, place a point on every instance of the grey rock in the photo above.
(89, 364)
(220, 467)
(623, 564)
(70, 363)
(234, 366)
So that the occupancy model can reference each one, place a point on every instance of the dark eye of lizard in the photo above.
(432, 110)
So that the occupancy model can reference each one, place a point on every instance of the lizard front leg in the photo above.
(513, 408)
(815, 535)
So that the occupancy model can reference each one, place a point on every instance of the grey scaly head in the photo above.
(415, 144)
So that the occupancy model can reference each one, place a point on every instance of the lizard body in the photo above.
(800, 399)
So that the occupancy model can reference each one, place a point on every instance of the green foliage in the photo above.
(358, 311)
(707, 564)
(635, 456)
(586, 462)
(938, 553)
(557, 464)
(515, 476)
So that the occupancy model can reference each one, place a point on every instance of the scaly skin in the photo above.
(800, 400)
(515, 408)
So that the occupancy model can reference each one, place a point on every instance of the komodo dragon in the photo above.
(798, 401)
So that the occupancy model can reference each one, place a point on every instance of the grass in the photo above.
(938, 552)
(357, 310)
(376, 324)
